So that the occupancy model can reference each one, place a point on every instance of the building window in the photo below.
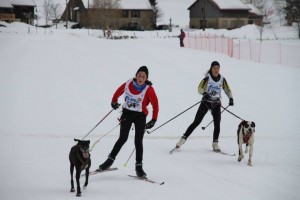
(224, 23)
(135, 14)
(241, 23)
(125, 14)
(233, 24)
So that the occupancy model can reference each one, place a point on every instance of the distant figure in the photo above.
(108, 34)
(181, 37)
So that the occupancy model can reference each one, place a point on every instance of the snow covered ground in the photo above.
(56, 85)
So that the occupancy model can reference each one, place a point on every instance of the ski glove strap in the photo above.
(206, 96)
(115, 105)
(150, 124)
(231, 102)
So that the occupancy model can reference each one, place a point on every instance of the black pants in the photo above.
(139, 120)
(202, 110)
(181, 43)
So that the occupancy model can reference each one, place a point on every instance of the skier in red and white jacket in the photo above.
(138, 93)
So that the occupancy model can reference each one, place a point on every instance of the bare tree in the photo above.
(47, 10)
(51, 11)
(56, 12)
(108, 12)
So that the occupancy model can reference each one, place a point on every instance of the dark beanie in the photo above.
(214, 63)
(143, 69)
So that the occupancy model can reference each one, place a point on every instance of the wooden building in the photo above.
(218, 14)
(129, 13)
(17, 10)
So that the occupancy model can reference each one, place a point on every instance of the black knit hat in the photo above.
(214, 63)
(143, 69)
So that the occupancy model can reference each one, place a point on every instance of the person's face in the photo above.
(215, 70)
(141, 77)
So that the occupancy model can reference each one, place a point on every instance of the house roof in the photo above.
(135, 4)
(254, 9)
(227, 4)
(231, 5)
(10, 3)
(127, 4)
(5, 4)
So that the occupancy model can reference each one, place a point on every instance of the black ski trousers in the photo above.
(127, 119)
(202, 110)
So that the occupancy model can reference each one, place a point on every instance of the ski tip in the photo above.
(162, 183)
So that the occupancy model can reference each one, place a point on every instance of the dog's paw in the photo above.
(240, 158)
(72, 190)
(249, 162)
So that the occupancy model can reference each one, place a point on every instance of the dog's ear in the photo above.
(252, 124)
(76, 140)
(244, 122)
(88, 142)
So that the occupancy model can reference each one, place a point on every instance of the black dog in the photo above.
(80, 159)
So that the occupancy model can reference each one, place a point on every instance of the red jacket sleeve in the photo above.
(118, 93)
(152, 98)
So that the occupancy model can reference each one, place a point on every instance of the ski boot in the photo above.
(139, 170)
(216, 147)
(107, 164)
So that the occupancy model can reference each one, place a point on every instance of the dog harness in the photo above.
(133, 102)
(246, 136)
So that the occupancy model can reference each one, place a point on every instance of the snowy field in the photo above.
(56, 85)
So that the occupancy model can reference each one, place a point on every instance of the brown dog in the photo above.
(80, 159)
(245, 135)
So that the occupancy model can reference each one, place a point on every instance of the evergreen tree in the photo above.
(292, 10)
(156, 13)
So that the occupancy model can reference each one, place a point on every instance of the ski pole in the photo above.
(129, 157)
(98, 123)
(232, 113)
(131, 154)
(174, 117)
(103, 136)
(203, 128)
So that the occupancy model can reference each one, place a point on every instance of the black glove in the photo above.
(206, 96)
(115, 105)
(231, 102)
(150, 124)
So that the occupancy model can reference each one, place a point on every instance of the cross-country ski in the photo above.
(224, 153)
(98, 171)
(146, 179)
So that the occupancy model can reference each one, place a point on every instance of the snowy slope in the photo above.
(57, 85)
